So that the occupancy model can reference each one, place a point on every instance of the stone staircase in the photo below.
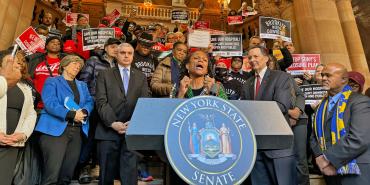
(156, 170)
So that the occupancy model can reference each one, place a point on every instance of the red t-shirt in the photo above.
(42, 73)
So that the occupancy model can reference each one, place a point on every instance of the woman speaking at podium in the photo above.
(197, 78)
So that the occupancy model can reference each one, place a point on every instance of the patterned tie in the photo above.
(258, 84)
(126, 79)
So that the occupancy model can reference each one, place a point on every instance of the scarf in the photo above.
(337, 129)
(220, 92)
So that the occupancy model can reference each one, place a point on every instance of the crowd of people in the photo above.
(65, 110)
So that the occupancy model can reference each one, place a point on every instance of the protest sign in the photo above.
(71, 18)
(180, 16)
(227, 45)
(304, 63)
(248, 13)
(272, 28)
(168, 45)
(96, 37)
(113, 16)
(199, 39)
(201, 25)
(313, 93)
(30, 41)
(231, 20)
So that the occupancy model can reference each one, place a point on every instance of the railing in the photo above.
(157, 12)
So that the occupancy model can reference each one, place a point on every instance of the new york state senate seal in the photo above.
(209, 141)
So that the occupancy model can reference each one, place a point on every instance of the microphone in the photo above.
(173, 91)
(14, 50)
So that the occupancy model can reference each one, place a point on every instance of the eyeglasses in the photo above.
(353, 84)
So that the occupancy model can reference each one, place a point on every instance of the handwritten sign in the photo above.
(199, 39)
(272, 28)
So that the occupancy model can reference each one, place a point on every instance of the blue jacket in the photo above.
(53, 117)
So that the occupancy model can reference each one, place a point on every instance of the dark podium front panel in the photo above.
(149, 121)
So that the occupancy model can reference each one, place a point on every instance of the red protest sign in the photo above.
(304, 63)
(249, 13)
(235, 19)
(201, 25)
(30, 41)
(71, 18)
(112, 17)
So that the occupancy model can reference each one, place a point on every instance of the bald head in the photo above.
(334, 78)
(338, 68)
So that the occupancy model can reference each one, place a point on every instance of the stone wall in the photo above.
(15, 17)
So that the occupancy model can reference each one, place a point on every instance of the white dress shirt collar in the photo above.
(121, 70)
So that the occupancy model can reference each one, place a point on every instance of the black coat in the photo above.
(111, 102)
(90, 72)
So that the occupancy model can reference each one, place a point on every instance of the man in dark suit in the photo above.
(117, 91)
(351, 149)
(272, 167)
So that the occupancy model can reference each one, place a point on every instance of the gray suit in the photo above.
(354, 145)
(273, 166)
(300, 136)
(114, 105)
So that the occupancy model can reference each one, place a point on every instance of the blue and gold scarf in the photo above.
(337, 128)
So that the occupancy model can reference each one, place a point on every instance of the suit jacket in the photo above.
(299, 99)
(275, 86)
(111, 102)
(27, 119)
(356, 143)
(53, 116)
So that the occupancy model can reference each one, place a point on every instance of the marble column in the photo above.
(9, 23)
(178, 3)
(3, 11)
(352, 38)
(111, 5)
(308, 36)
(333, 48)
(25, 16)
(15, 17)
(288, 14)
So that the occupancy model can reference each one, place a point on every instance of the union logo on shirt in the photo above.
(43, 69)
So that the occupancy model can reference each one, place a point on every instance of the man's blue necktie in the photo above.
(126, 79)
